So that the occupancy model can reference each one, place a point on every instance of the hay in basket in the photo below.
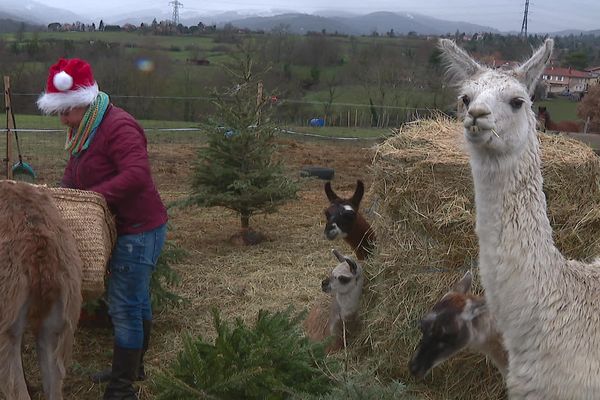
(426, 241)
(93, 226)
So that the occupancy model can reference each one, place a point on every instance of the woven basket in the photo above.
(93, 226)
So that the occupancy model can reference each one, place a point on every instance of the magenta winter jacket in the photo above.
(116, 166)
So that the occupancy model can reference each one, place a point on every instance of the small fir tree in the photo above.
(272, 360)
(164, 277)
(237, 169)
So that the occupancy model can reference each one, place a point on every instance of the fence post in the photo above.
(9, 127)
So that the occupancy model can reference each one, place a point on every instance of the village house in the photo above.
(567, 80)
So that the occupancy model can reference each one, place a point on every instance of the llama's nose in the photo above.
(478, 111)
(325, 285)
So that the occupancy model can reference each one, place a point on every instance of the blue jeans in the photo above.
(131, 265)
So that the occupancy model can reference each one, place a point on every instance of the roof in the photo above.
(494, 62)
(568, 72)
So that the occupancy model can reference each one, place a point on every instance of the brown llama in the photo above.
(459, 320)
(40, 285)
(338, 318)
(545, 122)
(344, 220)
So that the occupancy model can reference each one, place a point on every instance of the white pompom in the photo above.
(62, 81)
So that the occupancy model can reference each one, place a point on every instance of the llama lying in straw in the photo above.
(338, 318)
(344, 220)
(547, 307)
(40, 283)
(459, 320)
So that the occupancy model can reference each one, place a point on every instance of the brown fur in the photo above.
(324, 322)
(359, 235)
(459, 320)
(40, 284)
(361, 238)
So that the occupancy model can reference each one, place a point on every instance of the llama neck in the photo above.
(515, 236)
(361, 237)
(488, 340)
(347, 303)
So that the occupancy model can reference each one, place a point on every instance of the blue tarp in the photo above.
(317, 122)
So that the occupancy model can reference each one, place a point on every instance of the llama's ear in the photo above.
(352, 264)
(464, 285)
(358, 194)
(330, 193)
(338, 255)
(530, 71)
(473, 309)
(460, 64)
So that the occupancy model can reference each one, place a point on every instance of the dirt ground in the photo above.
(239, 281)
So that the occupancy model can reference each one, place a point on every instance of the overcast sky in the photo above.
(544, 15)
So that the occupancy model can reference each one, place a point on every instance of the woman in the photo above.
(108, 155)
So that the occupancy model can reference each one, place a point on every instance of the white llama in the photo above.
(338, 318)
(547, 307)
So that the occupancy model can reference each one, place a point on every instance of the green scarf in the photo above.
(79, 140)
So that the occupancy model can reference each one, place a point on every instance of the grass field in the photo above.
(561, 109)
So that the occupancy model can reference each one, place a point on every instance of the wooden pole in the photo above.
(259, 100)
(9, 127)
(587, 123)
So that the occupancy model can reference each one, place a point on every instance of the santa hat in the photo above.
(70, 84)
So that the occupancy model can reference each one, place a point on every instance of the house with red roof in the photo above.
(567, 80)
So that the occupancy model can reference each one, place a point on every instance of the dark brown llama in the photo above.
(345, 221)
(40, 285)
(545, 122)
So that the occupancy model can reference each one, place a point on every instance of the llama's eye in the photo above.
(516, 103)
(344, 280)
(465, 99)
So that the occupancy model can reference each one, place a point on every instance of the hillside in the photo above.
(381, 22)
(296, 23)
(39, 14)
(12, 23)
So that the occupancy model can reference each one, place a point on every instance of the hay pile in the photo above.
(426, 240)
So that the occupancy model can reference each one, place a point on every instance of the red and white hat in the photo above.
(70, 84)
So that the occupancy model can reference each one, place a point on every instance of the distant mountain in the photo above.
(137, 17)
(380, 22)
(575, 32)
(335, 13)
(296, 23)
(12, 23)
(37, 13)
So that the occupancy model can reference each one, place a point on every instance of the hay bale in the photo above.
(427, 240)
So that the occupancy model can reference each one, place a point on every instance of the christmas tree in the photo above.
(237, 169)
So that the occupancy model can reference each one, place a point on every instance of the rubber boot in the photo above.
(104, 375)
(125, 365)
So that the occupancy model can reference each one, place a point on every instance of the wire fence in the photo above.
(44, 149)
(297, 112)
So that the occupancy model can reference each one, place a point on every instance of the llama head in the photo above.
(448, 327)
(341, 213)
(346, 278)
(542, 118)
(498, 118)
